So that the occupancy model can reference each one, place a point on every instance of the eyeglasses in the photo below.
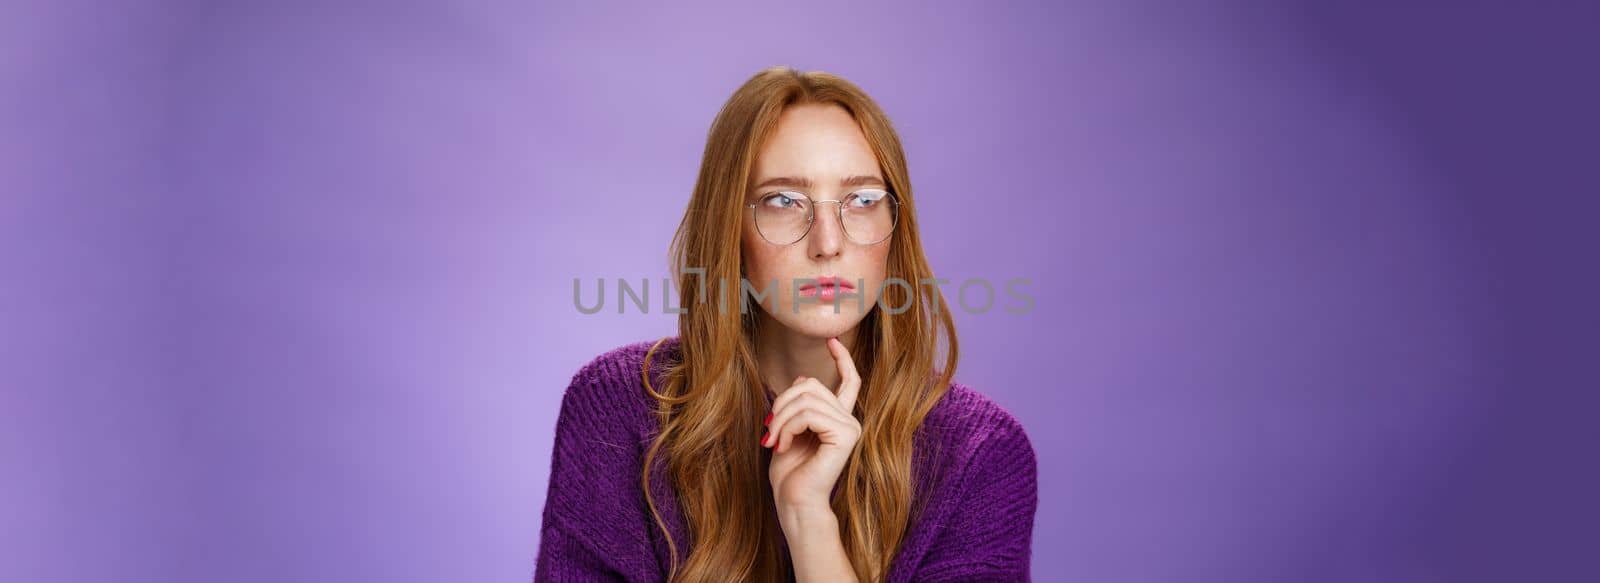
(868, 216)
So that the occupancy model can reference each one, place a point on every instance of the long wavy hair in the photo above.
(710, 403)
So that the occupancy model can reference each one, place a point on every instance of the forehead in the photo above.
(818, 142)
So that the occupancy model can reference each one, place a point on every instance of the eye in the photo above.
(867, 198)
(784, 200)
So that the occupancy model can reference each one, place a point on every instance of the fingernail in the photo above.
(763, 438)
(768, 420)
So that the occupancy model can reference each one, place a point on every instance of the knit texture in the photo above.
(975, 476)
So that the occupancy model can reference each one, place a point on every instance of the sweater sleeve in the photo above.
(594, 525)
(563, 557)
(989, 536)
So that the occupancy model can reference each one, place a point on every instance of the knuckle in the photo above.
(811, 400)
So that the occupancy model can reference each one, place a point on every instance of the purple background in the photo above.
(286, 286)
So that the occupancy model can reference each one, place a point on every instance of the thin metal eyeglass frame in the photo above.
(811, 215)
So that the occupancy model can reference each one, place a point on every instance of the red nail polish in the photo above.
(763, 438)
(768, 420)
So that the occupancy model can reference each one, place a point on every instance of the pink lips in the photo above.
(827, 287)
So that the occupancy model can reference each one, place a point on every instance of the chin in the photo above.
(822, 323)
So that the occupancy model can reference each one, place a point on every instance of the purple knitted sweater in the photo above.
(974, 471)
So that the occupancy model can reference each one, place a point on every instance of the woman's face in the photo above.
(819, 151)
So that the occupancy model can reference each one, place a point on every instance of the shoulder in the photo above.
(966, 415)
(981, 434)
(977, 521)
(626, 362)
(607, 393)
(600, 437)
(616, 376)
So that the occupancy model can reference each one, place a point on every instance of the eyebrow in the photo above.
(803, 182)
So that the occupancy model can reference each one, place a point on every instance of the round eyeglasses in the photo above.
(868, 216)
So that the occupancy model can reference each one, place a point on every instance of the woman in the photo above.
(871, 465)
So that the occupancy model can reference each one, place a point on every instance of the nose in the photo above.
(827, 234)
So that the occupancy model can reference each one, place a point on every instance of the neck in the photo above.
(784, 354)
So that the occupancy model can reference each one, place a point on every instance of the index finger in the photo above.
(849, 380)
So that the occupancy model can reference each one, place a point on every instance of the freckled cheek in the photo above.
(762, 262)
(873, 272)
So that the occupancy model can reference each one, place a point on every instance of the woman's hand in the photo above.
(812, 432)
